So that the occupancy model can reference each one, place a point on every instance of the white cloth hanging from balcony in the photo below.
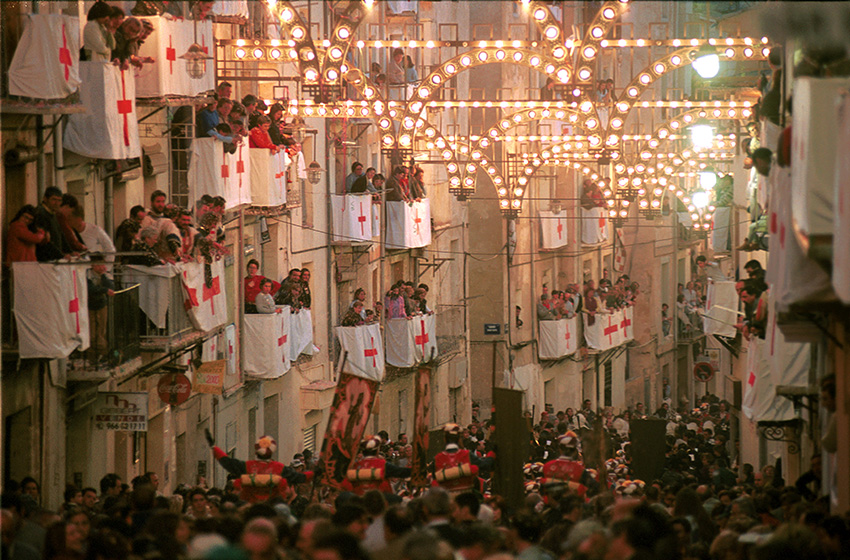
(411, 341)
(754, 380)
(793, 277)
(352, 217)
(594, 226)
(376, 219)
(365, 350)
(108, 129)
(301, 341)
(154, 289)
(238, 181)
(408, 224)
(558, 338)
(268, 177)
(609, 329)
(210, 349)
(720, 229)
(267, 344)
(46, 64)
(205, 304)
(841, 224)
(721, 301)
(51, 309)
(553, 228)
(169, 41)
(230, 341)
(232, 8)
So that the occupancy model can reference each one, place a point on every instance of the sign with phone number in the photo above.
(126, 412)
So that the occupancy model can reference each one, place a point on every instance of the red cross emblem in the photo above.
(210, 293)
(282, 340)
(601, 221)
(560, 228)
(74, 304)
(225, 171)
(372, 352)
(65, 55)
(191, 294)
(125, 107)
(416, 221)
(422, 339)
(626, 323)
(610, 330)
(751, 380)
(230, 347)
(279, 177)
(567, 334)
(240, 166)
(362, 219)
(204, 44)
(170, 56)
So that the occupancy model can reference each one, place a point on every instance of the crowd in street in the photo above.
(704, 505)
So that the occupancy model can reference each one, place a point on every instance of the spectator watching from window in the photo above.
(23, 237)
(264, 301)
(259, 135)
(209, 118)
(128, 231)
(356, 173)
(98, 40)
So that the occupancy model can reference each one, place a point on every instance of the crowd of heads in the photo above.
(589, 298)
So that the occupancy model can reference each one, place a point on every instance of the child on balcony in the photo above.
(100, 288)
(259, 137)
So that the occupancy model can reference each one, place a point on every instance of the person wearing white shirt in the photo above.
(94, 237)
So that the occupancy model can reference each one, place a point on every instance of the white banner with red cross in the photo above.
(352, 217)
(376, 218)
(721, 301)
(841, 223)
(301, 328)
(230, 353)
(268, 177)
(108, 129)
(266, 340)
(408, 224)
(594, 226)
(238, 181)
(411, 341)
(211, 348)
(609, 329)
(205, 299)
(51, 309)
(208, 170)
(169, 41)
(46, 64)
(553, 229)
(365, 350)
(558, 338)
(758, 364)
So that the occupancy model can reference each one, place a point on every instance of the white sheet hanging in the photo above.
(365, 350)
(408, 224)
(594, 226)
(553, 229)
(46, 63)
(267, 341)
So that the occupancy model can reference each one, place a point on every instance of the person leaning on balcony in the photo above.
(252, 284)
(98, 41)
(275, 131)
(259, 137)
(148, 238)
(417, 184)
(306, 296)
(53, 247)
(543, 311)
(23, 237)
(397, 190)
(73, 240)
(283, 293)
(395, 302)
(352, 317)
(210, 118)
(264, 302)
(128, 231)
(128, 38)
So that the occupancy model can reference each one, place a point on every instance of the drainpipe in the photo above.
(108, 203)
(329, 261)
(59, 155)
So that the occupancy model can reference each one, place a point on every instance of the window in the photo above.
(310, 437)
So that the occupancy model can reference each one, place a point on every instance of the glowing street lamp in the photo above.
(702, 136)
(700, 199)
(707, 180)
(706, 63)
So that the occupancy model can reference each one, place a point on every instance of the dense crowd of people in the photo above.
(580, 502)
(590, 299)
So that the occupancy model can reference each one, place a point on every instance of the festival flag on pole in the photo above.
(51, 309)
(421, 427)
(46, 64)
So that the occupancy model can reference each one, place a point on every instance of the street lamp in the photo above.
(706, 63)
(700, 199)
(707, 179)
(702, 136)
(196, 61)
(314, 173)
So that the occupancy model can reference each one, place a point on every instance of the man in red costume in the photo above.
(567, 470)
(456, 469)
(261, 479)
(372, 472)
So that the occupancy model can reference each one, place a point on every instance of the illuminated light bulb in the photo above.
(707, 66)
(551, 32)
(379, 44)
(702, 136)
(603, 43)
(503, 203)
(424, 92)
(623, 107)
(645, 79)
(518, 192)
(765, 52)
(540, 14)
(298, 32)
(659, 68)
(311, 75)
(558, 52)
(730, 53)
(524, 180)
(451, 69)
(591, 123)
(585, 106)
(596, 32)
(675, 60)
(482, 56)
(612, 213)
(588, 52)
(500, 55)
(466, 61)
(293, 53)
(594, 140)
(286, 15)
(388, 140)
(632, 92)
(535, 60)
(240, 53)
(608, 13)
(275, 53)
(332, 74)
(688, 118)
(653, 143)
(550, 68)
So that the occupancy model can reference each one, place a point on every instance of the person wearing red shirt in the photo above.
(259, 137)
(456, 469)
(372, 472)
(253, 285)
(567, 470)
(20, 239)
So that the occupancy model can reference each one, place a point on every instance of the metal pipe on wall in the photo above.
(59, 155)
(108, 204)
